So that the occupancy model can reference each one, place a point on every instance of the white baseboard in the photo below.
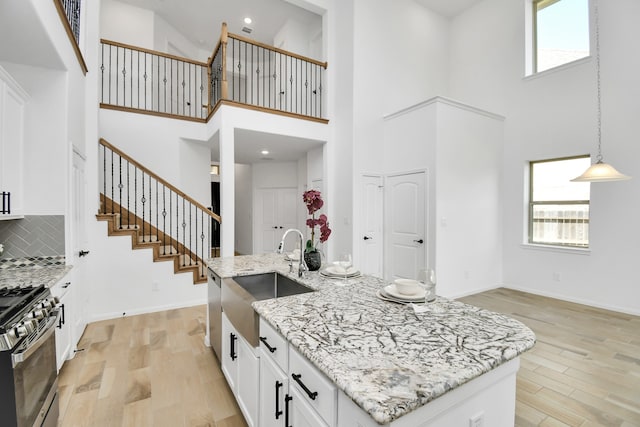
(471, 292)
(145, 310)
(625, 310)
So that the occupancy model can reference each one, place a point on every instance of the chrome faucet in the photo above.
(302, 266)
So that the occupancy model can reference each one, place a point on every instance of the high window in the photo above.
(561, 32)
(559, 208)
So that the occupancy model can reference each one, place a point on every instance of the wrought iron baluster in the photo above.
(164, 221)
(150, 207)
(104, 179)
(135, 194)
(120, 187)
(112, 184)
(143, 200)
(128, 191)
(157, 231)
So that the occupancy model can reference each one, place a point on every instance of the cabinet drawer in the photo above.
(320, 393)
(274, 345)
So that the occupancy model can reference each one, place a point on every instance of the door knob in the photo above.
(367, 238)
(83, 253)
(419, 241)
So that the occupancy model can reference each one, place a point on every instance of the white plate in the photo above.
(339, 272)
(393, 292)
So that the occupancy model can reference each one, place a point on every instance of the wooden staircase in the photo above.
(164, 247)
(157, 216)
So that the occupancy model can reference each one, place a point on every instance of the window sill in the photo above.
(557, 249)
(562, 67)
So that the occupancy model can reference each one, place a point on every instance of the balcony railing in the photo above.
(240, 72)
(248, 72)
(142, 79)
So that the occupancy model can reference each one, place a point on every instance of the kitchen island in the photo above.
(398, 367)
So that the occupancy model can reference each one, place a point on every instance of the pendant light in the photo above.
(599, 171)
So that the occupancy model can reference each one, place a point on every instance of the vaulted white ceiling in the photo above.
(448, 8)
(201, 20)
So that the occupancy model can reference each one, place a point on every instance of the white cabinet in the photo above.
(64, 341)
(241, 368)
(301, 414)
(274, 387)
(292, 391)
(12, 105)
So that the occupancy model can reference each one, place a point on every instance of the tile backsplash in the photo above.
(33, 236)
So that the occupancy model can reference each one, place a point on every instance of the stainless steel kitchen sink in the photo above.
(239, 292)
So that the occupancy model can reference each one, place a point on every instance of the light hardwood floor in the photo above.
(154, 370)
(585, 367)
(147, 370)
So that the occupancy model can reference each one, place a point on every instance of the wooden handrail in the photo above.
(153, 52)
(275, 49)
(122, 154)
(72, 38)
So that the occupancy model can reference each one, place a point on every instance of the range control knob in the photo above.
(39, 314)
(20, 331)
(31, 325)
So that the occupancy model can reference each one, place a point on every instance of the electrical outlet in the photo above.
(155, 287)
(477, 420)
(556, 276)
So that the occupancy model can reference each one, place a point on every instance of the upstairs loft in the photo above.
(240, 72)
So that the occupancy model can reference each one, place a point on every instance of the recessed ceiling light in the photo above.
(264, 152)
(247, 20)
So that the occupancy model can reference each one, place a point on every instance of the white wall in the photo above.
(169, 148)
(553, 115)
(123, 281)
(401, 59)
(296, 36)
(460, 148)
(128, 24)
(244, 209)
(468, 210)
(168, 39)
(45, 139)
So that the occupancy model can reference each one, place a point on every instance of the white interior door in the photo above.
(79, 291)
(371, 237)
(275, 212)
(405, 222)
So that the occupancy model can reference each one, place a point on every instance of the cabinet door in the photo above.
(63, 332)
(273, 389)
(248, 381)
(276, 211)
(300, 413)
(229, 360)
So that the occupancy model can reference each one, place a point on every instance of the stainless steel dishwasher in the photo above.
(215, 313)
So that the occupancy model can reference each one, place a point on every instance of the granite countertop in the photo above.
(32, 276)
(385, 357)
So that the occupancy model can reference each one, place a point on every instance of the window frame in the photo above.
(532, 204)
(533, 44)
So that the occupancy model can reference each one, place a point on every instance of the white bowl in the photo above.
(407, 286)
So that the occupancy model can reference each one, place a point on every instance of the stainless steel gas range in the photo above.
(28, 374)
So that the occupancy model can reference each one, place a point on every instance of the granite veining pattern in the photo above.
(386, 358)
(32, 276)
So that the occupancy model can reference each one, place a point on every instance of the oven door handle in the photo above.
(48, 330)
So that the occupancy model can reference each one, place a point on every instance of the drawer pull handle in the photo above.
(266, 344)
(232, 349)
(278, 410)
(287, 399)
(312, 394)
